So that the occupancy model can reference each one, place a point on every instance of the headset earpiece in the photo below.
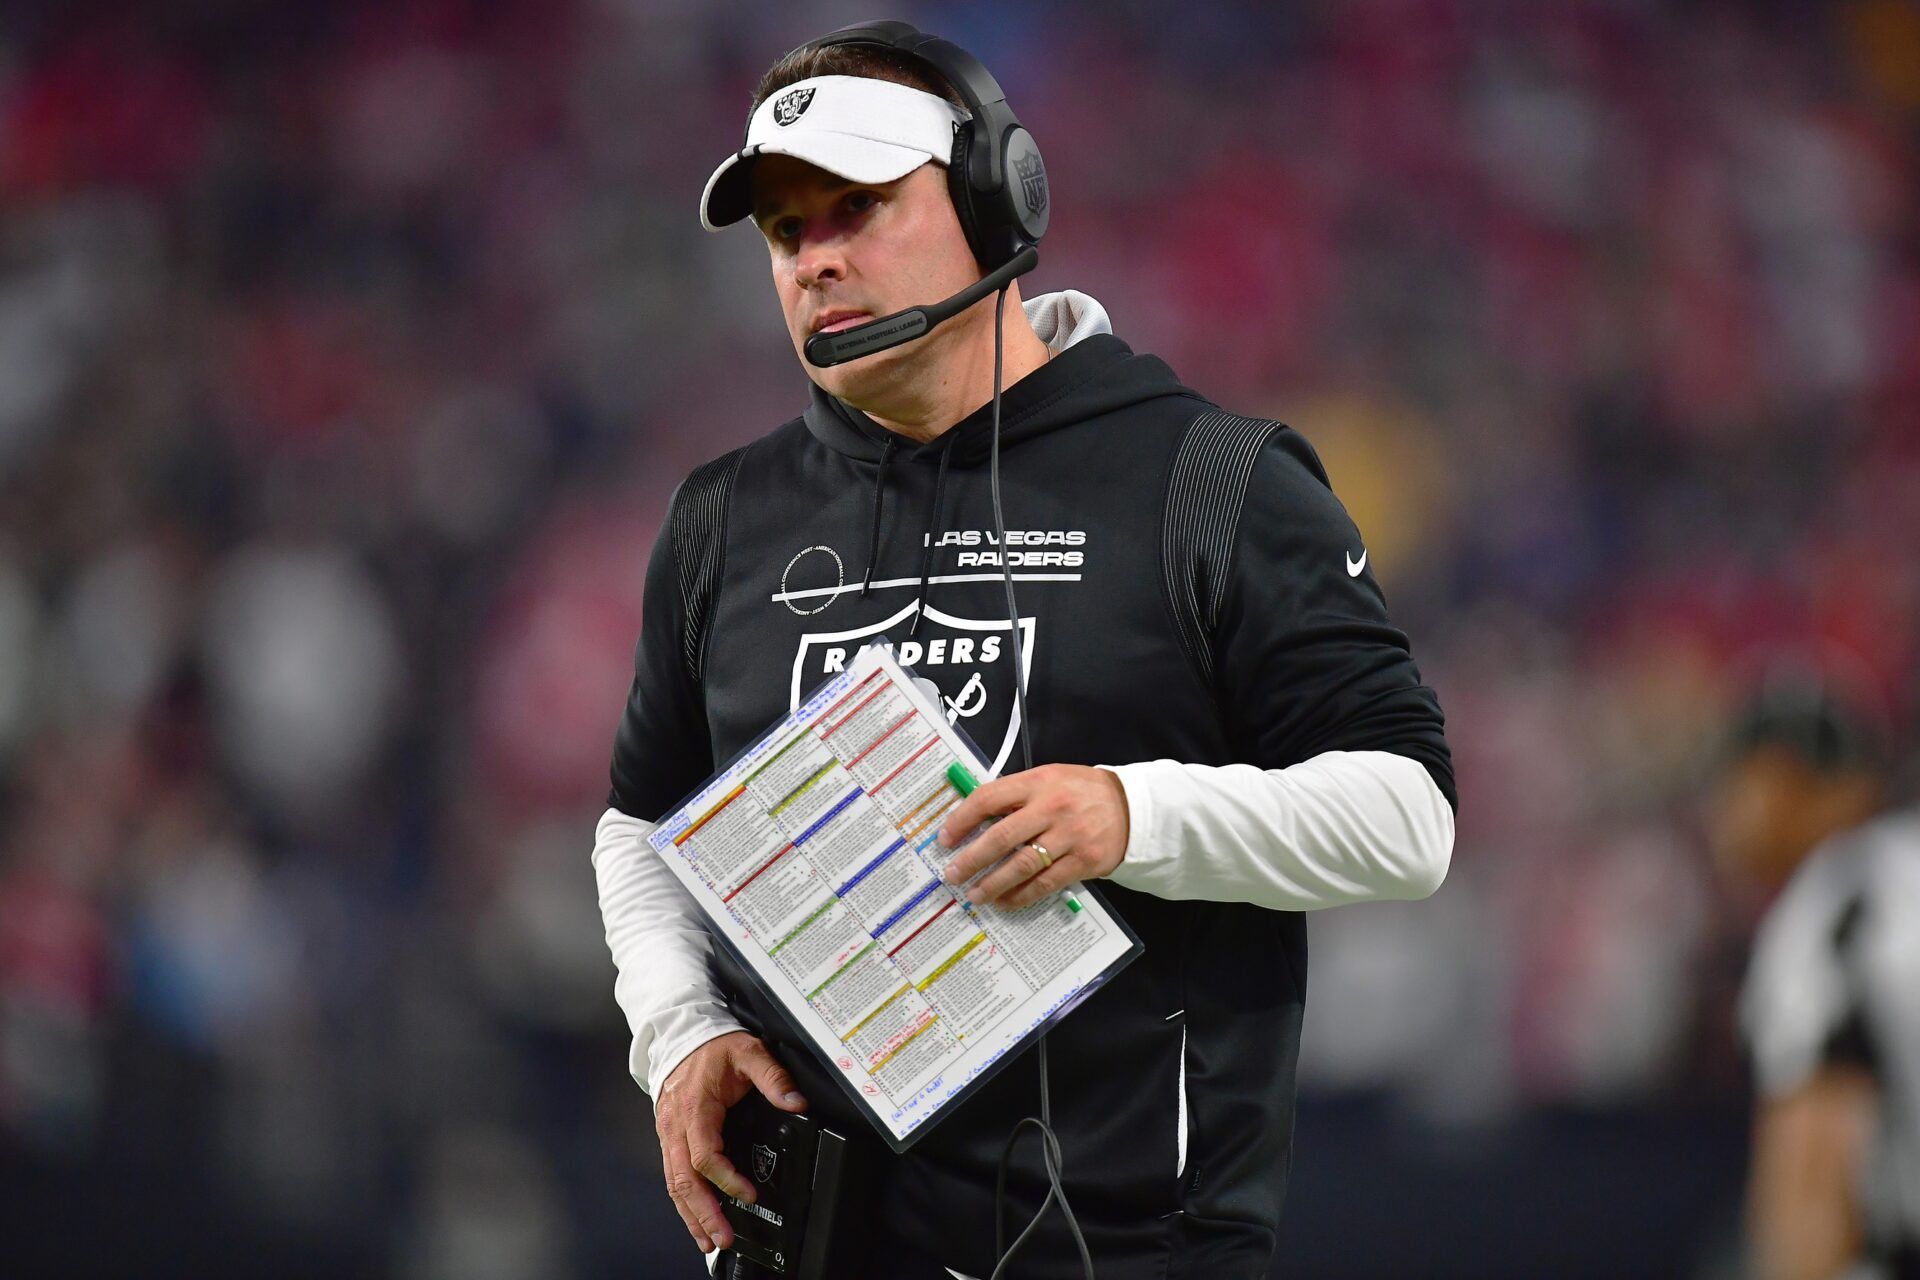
(1004, 206)
(1028, 198)
(961, 189)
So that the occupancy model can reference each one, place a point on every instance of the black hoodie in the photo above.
(1186, 592)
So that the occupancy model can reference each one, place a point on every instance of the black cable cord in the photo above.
(1049, 1143)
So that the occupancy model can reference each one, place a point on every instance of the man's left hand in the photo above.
(1077, 813)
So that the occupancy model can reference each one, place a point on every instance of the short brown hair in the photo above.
(807, 62)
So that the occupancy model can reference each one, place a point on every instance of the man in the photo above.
(1829, 1010)
(1195, 606)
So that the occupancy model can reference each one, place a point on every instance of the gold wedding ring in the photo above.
(1046, 859)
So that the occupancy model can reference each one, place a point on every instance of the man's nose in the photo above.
(822, 257)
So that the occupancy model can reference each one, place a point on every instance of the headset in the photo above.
(999, 188)
(995, 175)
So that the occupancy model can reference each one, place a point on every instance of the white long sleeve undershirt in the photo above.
(1345, 826)
(660, 947)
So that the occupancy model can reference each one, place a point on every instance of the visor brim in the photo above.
(729, 194)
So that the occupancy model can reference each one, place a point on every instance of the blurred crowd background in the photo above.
(350, 351)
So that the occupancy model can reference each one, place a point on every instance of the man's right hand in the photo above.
(692, 1105)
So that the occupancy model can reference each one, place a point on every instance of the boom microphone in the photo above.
(824, 350)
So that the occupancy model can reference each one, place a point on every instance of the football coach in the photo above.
(1231, 731)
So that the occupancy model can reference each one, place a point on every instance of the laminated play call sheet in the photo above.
(813, 855)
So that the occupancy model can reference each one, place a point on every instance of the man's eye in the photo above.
(862, 200)
(786, 228)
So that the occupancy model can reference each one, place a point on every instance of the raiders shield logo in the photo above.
(764, 1160)
(790, 107)
(1033, 181)
(970, 661)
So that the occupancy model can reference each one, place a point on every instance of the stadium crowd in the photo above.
(350, 352)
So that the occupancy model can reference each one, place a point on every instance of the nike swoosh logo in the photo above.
(1355, 566)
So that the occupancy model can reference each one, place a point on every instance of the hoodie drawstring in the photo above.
(873, 537)
(933, 524)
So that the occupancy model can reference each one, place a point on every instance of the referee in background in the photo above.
(1830, 1010)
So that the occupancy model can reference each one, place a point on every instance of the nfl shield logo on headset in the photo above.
(1033, 180)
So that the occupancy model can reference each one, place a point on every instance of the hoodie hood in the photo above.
(1092, 372)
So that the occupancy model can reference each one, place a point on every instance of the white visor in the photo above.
(863, 129)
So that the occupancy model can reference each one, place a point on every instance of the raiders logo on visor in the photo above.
(792, 106)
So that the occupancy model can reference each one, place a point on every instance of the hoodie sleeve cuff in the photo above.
(1148, 854)
(692, 1026)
